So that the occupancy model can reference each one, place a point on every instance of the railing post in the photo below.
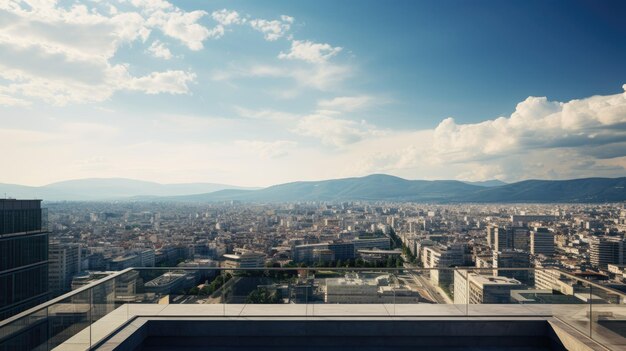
(467, 293)
(590, 311)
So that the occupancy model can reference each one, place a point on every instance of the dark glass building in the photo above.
(23, 256)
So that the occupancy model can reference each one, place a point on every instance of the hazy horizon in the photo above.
(256, 94)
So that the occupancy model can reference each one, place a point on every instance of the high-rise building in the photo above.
(541, 242)
(607, 250)
(520, 238)
(23, 255)
(491, 234)
(509, 238)
(512, 259)
(64, 264)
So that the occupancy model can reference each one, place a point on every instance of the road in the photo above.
(436, 293)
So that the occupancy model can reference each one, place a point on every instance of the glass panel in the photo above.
(69, 320)
(608, 318)
(85, 318)
(105, 318)
(525, 292)
(27, 333)
(572, 298)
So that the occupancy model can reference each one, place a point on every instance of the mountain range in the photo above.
(376, 187)
(98, 189)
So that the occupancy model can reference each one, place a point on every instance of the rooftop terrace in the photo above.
(242, 308)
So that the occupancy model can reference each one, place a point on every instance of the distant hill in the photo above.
(574, 190)
(376, 187)
(107, 189)
(487, 183)
(381, 187)
(373, 188)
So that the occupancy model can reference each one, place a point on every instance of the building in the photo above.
(342, 251)
(64, 264)
(306, 253)
(604, 251)
(509, 238)
(475, 288)
(127, 261)
(444, 257)
(375, 255)
(491, 234)
(23, 255)
(547, 279)
(170, 282)
(323, 255)
(357, 288)
(484, 261)
(512, 259)
(382, 243)
(541, 242)
(522, 220)
(147, 257)
(245, 259)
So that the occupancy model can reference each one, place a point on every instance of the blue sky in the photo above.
(262, 92)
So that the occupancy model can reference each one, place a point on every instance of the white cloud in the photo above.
(335, 131)
(158, 49)
(173, 82)
(226, 17)
(208, 148)
(266, 114)
(7, 100)
(347, 103)
(541, 139)
(321, 77)
(536, 124)
(274, 29)
(309, 51)
(184, 26)
(63, 55)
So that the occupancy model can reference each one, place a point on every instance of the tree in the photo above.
(264, 296)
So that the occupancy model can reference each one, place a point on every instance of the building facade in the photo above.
(23, 255)
(541, 242)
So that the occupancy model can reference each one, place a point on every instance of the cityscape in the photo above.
(314, 175)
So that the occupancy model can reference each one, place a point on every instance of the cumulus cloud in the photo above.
(63, 54)
(158, 49)
(309, 51)
(540, 139)
(173, 82)
(272, 29)
(226, 17)
(536, 124)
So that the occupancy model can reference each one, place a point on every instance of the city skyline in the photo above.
(247, 94)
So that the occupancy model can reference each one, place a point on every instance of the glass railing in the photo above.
(85, 317)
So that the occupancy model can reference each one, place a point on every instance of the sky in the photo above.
(255, 93)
